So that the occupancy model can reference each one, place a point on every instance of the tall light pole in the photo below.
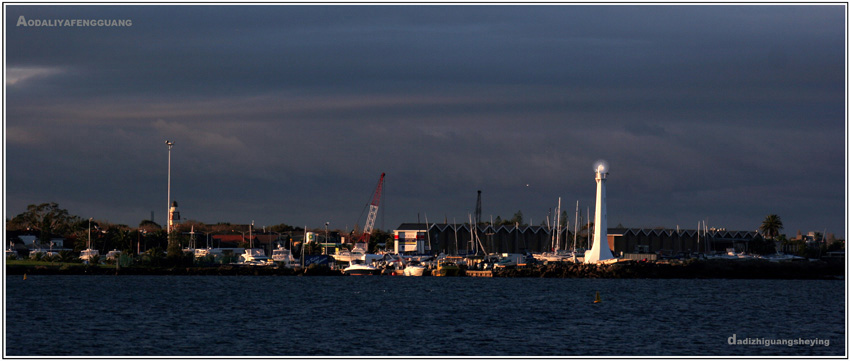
(326, 236)
(168, 208)
(89, 243)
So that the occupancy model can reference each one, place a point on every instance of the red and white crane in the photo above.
(373, 212)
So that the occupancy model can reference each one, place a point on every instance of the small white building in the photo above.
(411, 238)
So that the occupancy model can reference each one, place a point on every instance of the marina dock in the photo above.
(487, 273)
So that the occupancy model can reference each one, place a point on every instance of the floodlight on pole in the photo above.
(168, 208)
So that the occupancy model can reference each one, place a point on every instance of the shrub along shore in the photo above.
(730, 269)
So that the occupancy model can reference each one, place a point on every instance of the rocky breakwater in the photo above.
(754, 269)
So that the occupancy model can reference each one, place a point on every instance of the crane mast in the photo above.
(373, 211)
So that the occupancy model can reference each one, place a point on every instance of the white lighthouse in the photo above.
(173, 216)
(600, 250)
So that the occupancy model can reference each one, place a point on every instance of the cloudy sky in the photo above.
(289, 114)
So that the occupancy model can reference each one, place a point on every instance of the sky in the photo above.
(289, 114)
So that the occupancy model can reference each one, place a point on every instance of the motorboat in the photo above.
(202, 252)
(284, 256)
(557, 256)
(35, 252)
(509, 260)
(359, 252)
(732, 255)
(255, 257)
(446, 268)
(358, 268)
(86, 255)
(113, 254)
(345, 255)
(412, 269)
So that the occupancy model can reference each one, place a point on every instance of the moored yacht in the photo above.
(87, 254)
(446, 268)
(358, 268)
(113, 254)
(202, 252)
(359, 252)
(411, 268)
(255, 257)
(284, 256)
(557, 256)
(414, 270)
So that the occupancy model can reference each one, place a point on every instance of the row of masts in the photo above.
(475, 244)
(556, 221)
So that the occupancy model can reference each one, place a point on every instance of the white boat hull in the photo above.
(360, 270)
(417, 271)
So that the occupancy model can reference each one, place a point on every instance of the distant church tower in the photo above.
(600, 250)
(173, 216)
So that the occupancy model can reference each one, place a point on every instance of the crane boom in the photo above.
(373, 211)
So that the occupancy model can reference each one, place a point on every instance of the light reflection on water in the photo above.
(292, 316)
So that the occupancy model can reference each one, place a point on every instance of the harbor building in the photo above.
(665, 240)
(457, 239)
(410, 238)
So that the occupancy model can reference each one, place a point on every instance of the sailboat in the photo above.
(87, 254)
(557, 254)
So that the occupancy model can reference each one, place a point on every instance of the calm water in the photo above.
(284, 316)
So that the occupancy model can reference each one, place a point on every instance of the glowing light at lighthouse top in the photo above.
(601, 168)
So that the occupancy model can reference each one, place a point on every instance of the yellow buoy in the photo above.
(25, 276)
(597, 300)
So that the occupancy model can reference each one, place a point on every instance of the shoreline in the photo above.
(701, 269)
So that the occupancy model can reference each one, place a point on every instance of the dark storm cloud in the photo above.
(290, 113)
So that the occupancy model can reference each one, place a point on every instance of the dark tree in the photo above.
(47, 219)
(771, 226)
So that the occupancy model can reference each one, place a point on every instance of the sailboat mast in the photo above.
(428, 231)
(471, 235)
(549, 228)
(575, 230)
(558, 226)
(477, 240)
(455, 222)
(698, 229)
(588, 227)
(303, 243)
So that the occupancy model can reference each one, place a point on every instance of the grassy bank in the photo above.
(31, 267)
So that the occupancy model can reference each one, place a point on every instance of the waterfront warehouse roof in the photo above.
(412, 227)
